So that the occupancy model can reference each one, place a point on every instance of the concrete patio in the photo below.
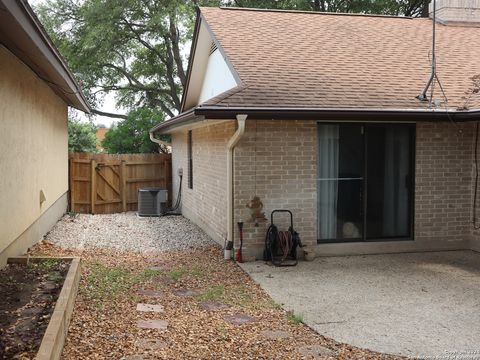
(419, 304)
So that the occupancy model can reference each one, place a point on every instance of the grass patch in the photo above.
(149, 273)
(214, 293)
(176, 274)
(105, 282)
(48, 263)
(295, 318)
(273, 305)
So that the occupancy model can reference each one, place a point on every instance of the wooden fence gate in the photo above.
(106, 183)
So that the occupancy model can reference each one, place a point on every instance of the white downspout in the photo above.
(159, 142)
(231, 146)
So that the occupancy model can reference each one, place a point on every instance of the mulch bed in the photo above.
(28, 296)
(105, 320)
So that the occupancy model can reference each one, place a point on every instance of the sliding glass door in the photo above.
(365, 175)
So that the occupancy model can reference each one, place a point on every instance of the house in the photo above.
(319, 113)
(36, 88)
(100, 135)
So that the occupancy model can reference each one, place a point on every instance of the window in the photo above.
(190, 160)
(365, 182)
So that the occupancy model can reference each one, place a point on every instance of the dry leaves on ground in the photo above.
(104, 324)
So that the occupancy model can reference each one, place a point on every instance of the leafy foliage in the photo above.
(136, 48)
(81, 136)
(131, 136)
(386, 7)
(133, 48)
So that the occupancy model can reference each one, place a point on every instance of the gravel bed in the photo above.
(127, 232)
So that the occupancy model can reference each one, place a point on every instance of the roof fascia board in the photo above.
(214, 112)
(193, 49)
(26, 19)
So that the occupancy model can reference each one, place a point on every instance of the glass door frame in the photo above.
(411, 205)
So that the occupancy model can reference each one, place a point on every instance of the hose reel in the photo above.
(281, 245)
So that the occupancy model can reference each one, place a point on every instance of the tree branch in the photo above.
(176, 50)
(107, 114)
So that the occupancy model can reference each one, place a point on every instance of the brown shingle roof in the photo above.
(318, 60)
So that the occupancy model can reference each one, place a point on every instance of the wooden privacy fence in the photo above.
(108, 183)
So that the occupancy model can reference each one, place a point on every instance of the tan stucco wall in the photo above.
(33, 148)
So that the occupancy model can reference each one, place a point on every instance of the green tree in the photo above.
(133, 48)
(387, 7)
(136, 48)
(81, 136)
(131, 136)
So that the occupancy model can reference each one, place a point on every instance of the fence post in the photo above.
(123, 185)
(72, 184)
(93, 185)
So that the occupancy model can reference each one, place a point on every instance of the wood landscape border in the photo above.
(56, 332)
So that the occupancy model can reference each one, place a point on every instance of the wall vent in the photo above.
(213, 48)
(152, 201)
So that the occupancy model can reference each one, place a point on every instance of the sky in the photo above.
(108, 101)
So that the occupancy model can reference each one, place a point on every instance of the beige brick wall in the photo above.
(206, 203)
(444, 182)
(282, 174)
(280, 168)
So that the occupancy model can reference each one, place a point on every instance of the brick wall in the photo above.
(282, 173)
(443, 196)
(280, 168)
(443, 181)
(205, 204)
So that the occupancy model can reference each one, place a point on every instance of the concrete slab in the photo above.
(315, 351)
(239, 319)
(213, 305)
(152, 324)
(419, 304)
(150, 308)
(151, 293)
(151, 344)
(186, 292)
(276, 334)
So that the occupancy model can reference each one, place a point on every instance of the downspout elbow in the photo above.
(158, 141)
(239, 133)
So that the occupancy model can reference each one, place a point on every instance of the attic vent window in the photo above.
(213, 48)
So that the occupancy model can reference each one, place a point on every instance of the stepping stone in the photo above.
(315, 351)
(149, 308)
(132, 357)
(159, 268)
(165, 280)
(152, 324)
(153, 260)
(276, 334)
(213, 305)
(150, 344)
(186, 292)
(151, 293)
(239, 319)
